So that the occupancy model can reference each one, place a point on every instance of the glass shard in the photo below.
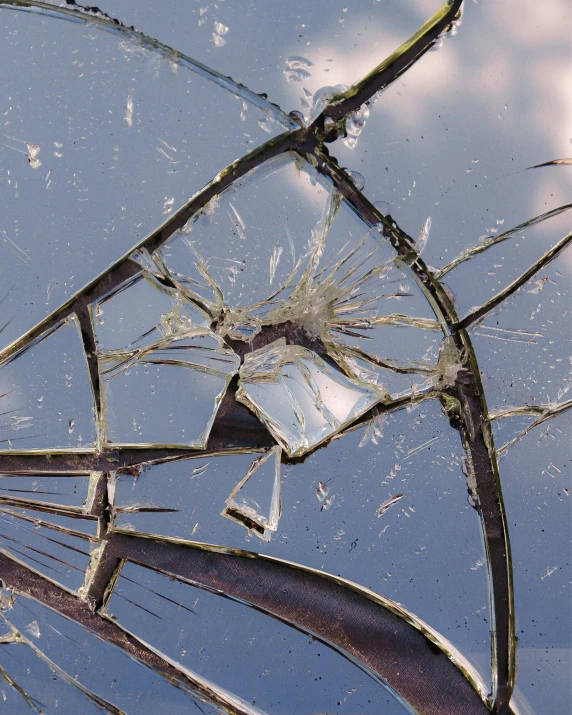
(58, 488)
(255, 501)
(46, 398)
(190, 278)
(59, 547)
(301, 399)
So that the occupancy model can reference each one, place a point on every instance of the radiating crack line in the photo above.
(554, 162)
(515, 285)
(545, 412)
(494, 240)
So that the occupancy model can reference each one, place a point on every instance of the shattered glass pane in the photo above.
(260, 414)
(47, 400)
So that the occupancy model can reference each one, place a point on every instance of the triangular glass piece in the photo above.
(255, 501)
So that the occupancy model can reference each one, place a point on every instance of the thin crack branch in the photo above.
(382, 409)
(486, 308)
(90, 350)
(395, 65)
(544, 412)
(494, 240)
(505, 412)
(73, 512)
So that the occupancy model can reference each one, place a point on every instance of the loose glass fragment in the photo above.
(300, 398)
(255, 501)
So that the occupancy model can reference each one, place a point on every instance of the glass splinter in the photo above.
(299, 397)
(255, 501)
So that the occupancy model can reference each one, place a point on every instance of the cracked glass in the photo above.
(285, 357)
